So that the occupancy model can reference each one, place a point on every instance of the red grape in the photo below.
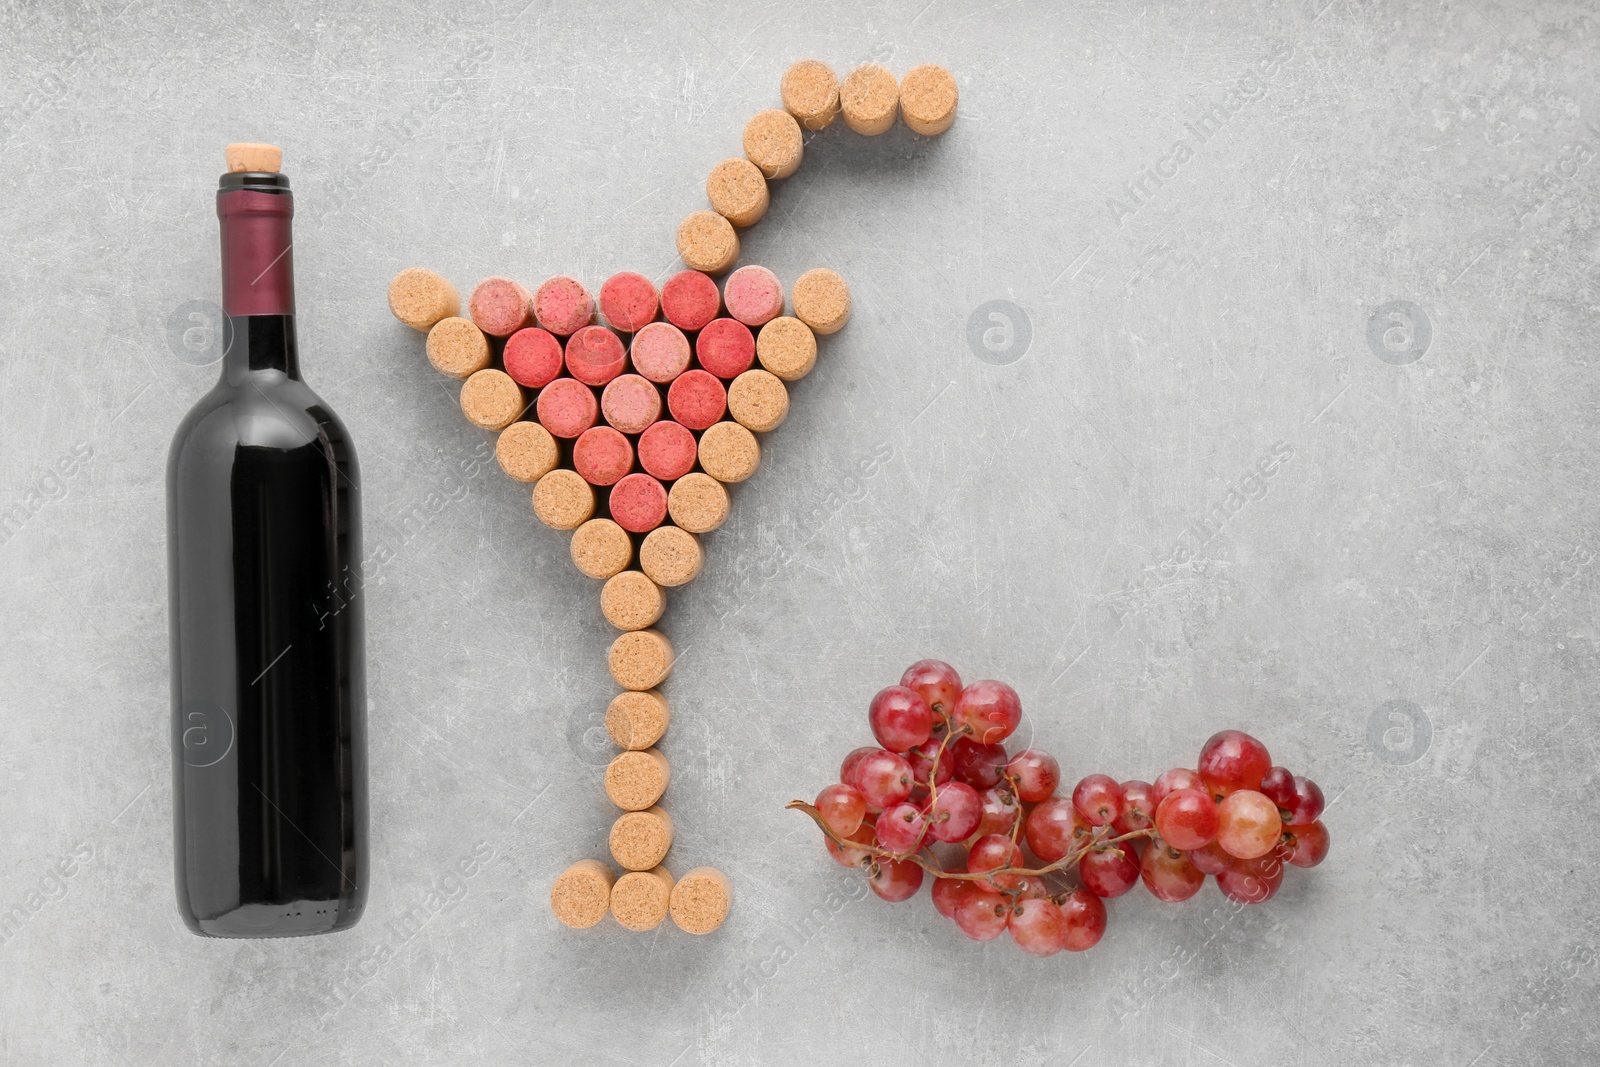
(884, 779)
(901, 827)
(1210, 859)
(1277, 785)
(1085, 915)
(842, 807)
(1098, 799)
(982, 912)
(847, 769)
(937, 683)
(1029, 887)
(988, 710)
(852, 857)
(1138, 807)
(1310, 844)
(949, 892)
(1174, 780)
(1308, 803)
(900, 718)
(922, 762)
(955, 812)
(980, 766)
(895, 880)
(1233, 760)
(1037, 774)
(1252, 881)
(1054, 828)
(1187, 819)
(1000, 812)
(1108, 872)
(1169, 873)
(1038, 927)
(1247, 824)
(994, 851)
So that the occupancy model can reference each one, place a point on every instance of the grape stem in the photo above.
(933, 867)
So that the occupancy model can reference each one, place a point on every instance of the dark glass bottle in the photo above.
(268, 643)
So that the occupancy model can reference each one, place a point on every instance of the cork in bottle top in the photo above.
(252, 157)
(870, 99)
(729, 452)
(637, 719)
(737, 191)
(640, 659)
(707, 243)
(457, 347)
(811, 93)
(773, 142)
(758, 401)
(928, 99)
(671, 556)
(821, 300)
(601, 548)
(698, 503)
(631, 601)
(787, 347)
(636, 779)
(701, 900)
(491, 400)
(581, 895)
(640, 899)
(419, 298)
(563, 500)
(526, 451)
(640, 839)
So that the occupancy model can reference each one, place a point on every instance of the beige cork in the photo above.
(581, 895)
(526, 451)
(758, 400)
(492, 399)
(636, 720)
(563, 500)
(635, 780)
(640, 839)
(698, 503)
(870, 99)
(601, 548)
(630, 601)
(928, 99)
(255, 158)
(640, 899)
(700, 900)
(773, 142)
(419, 298)
(706, 242)
(670, 556)
(729, 452)
(640, 659)
(457, 347)
(788, 348)
(811, 93)
(737, 191)
(821, 300)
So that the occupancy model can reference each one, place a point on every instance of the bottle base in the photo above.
(299, 918)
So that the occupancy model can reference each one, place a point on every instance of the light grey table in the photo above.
(1376, 257)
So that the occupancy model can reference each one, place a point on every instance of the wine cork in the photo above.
(499, 306)
(602, 455)
(640, 839)
(667, 450)
(726, 347)
(706, 242)
(758, 401)
(701, 900)
(637, 719)
(595, 355)
(457, 347)
(661, 351)
(638, 503)
(631, 403)
(689, 300)
(581, 895)
(563, 306)
(671, 556)
(821, 300)
(787, 348)
(698, 503)
(566, 407)
(697, 399)
(870, 99)
(640, 899)
(729, 452)
(928, 99)
(251, 157)
(526, 451)
(533, 357)
(635, 780)
(737, 191)
(630, 601)
(640, 659)
(563, 500)
(811, 93)
(601, 548)
(491, 400)
(754, 295)
(419, 298)
(628, 301)
(772, 141)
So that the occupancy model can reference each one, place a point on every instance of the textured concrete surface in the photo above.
(1376, 258)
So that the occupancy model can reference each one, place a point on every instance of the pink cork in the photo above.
(690, 300)
(631, 403)
(628, 301)
(726, 347)
(667, 450)
(563, 306)
(499, 307)
(595, 355)
(660, 352)
(754, 295)
(638, 503)
(567, 407)
(533, 357)
(697, 399)
(602, 456)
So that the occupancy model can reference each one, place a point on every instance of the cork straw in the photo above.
(870, 99)
(640, 839)
(581, 895)
(526, 451)
(563, 500)
(491, 400)
(419, 298)
(821, 300)
(811, 93)
(601, 548)
(787, 347)
(729, 453)
(640, 899)
(758, 401)
(636, 720)
(697, 502)
(737, 191)
(928, 99)
(671, 556)
(701, 900)
(772, 141)
(706, 242)
(635, 780)
(640, 659)
(457, 347)
(631, 601)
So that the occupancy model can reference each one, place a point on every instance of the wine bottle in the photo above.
(268, 660)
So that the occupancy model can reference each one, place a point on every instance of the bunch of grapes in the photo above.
(943, 797)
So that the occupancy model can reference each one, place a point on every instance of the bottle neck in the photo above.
(260, 343)
(255, 212)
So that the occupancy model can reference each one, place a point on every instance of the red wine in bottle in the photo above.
(268, 662)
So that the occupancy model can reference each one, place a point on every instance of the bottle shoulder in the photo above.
(261, 411)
